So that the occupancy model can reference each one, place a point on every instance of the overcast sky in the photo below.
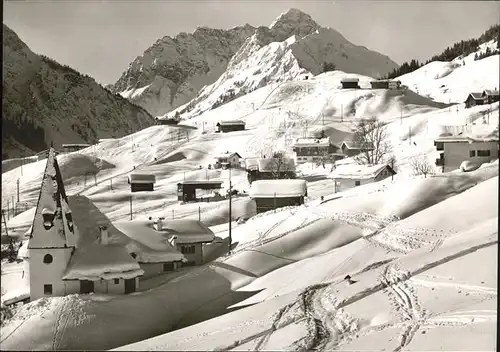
(101, 38)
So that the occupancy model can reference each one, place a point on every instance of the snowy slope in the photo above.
(453, 81)
(358, 232)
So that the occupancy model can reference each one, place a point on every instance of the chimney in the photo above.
(104, 234)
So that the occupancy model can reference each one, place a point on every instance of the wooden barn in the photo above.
(350, 83)
(351, 148)
(230, 126)
(385, 84)
(274, 194)
(141, 182)
(186, 191)
(474, 99)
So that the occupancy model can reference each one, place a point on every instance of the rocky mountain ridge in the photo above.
(179, 73)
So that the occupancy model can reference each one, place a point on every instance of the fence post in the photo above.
(8, 213)
(199, 213)
(274, 201)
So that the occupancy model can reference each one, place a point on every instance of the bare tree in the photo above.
(371, 137)
(279, 165)
(325, 158)
(421, 166)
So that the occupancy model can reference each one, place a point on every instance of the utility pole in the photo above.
(173, 214)
(409, 135)
(230, 213)
(130, 207)
(18, 190)
(199, 213)
(5, 223)
(341, 112)
(111, 183)
(274, 201)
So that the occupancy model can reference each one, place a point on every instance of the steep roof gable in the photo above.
(53, 222)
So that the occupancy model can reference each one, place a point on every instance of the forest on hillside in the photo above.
(459, 49)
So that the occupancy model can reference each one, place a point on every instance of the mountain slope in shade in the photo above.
(293, 46)
(45, 102)
(172, 71)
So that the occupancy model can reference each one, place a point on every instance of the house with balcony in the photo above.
(226, 160)
(453, 150)
(490, 96)
(313, 149)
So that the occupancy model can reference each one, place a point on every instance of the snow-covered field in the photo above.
(422, 251)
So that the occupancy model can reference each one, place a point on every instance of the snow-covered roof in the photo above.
(275, 164)
(465, 139)
(187, 231)
(89, 217)
(95, 261)
(231, 122)
(278, 188)
(52, 224)
(252, 163)
(358, 172)
(350, 80)
(355, 146)
(491, 92)
(385, 81)
(92, 260)
(201, 182)
(144, 233)
(227, 155)
(141, 178)
(312, 142)
(476, 96)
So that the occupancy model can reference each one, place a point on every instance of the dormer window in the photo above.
(48, 218)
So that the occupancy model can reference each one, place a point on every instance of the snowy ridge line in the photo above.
(261, 241)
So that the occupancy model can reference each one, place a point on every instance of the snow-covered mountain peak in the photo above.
(294, 19)
(182, 71)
